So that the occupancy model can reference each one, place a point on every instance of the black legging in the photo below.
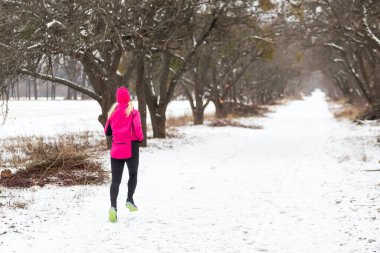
(117, 167)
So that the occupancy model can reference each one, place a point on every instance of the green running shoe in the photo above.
(112, 215)
(131, 205)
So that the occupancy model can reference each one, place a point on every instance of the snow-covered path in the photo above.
(295, 186)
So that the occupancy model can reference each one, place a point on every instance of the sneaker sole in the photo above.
(131, 207)
(112, 216)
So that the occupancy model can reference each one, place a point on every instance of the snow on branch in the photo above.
(368, 30)
(4, 45)
(338, 60)
(178, 57)
(34, 46)
(55, 23)
(260, 38)
(333, 45)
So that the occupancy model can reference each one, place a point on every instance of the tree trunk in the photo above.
(68, 94)
(220, 110)
(47, 90)
(13, 92)
(53, 90)
(35, 91)
(198, 111)
(199, 89)
(108, 98)
(75, 95)
(158, 118)
(158, 123)
(29, 89)
(140, 91)
(26, 89)
(83, 84)
(157, 109)
(18, 91)
(198, 115)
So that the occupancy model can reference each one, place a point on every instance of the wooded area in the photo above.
(256, 114)
(233, 54)
(348, 46)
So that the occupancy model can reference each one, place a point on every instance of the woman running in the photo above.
(124, 125)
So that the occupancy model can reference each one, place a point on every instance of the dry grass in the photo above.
(184, 120)
(19, 205)
(263, 111)
(347, 111)
(243, 110)
(173, 122)
(339, 101)
(229, 122)
(238, 111)
(179, 121)
(290, 98)
(65, 160)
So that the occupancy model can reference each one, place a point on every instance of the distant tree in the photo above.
(349, 33)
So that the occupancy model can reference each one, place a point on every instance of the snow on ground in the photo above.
(298, 185)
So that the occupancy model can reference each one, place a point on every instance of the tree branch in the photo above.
(189, 96)
(182, 69)
(64, 82)
(368, 30)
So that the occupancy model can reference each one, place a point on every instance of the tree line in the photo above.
(33, 88)
(343, 38)
(234, 54)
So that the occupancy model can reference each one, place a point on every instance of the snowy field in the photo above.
(49, 118)
(298, 185)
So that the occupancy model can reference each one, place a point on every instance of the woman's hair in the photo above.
(127, 111)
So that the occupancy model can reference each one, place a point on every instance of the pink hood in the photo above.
(122, 95)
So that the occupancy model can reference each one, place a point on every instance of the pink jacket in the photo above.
(124, 129)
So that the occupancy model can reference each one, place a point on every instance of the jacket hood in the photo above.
(122, 95)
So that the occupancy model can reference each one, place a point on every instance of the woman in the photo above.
(124, 124)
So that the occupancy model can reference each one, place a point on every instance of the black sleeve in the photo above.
(109, 130)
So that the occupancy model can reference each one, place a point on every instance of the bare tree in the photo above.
(96, 34)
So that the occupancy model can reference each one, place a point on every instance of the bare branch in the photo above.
(64, 82)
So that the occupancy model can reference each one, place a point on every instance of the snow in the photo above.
(353, 71)
(338, 60)
(49, 118)
(84, 33)
(119, 73)
(262, 39)
(179, 57)
(334, 46)
(34, 46)
(55, 22)
(368, 30)
(298, 185)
